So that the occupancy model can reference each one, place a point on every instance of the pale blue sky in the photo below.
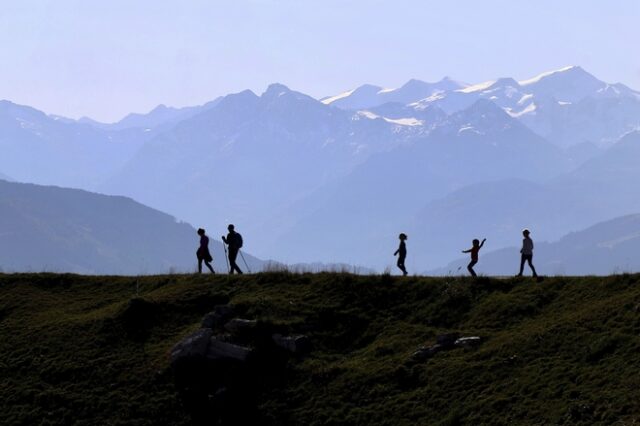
(105, 58)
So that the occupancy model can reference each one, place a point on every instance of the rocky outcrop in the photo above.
(445, 342)
(221, 367)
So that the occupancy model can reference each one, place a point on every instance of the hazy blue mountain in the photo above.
(598, 190)
(605, 248)
(5, 177)
(357, 217)
(41, 149)
(568, 106)
(370, 96)
(161, 117)
(44, 228)
(249, 155)
(317, 181)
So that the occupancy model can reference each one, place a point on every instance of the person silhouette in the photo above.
(402, 253)
(203, 253)
(234, 241)
(526, 253)
(476, 246)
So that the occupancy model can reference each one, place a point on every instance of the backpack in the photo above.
(238, 240)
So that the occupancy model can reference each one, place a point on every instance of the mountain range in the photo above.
(567, 106)
(52, 229)
(606, 248)
(335, 180)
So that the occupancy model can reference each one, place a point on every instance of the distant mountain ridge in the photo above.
(594, 192)
(567, 106)
(317, 181)
(52, 229)
(160, 116)
(368, 96)
(605, 248)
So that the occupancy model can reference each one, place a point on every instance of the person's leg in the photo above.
(210, 267)
(199, 265)
(401, 265)
(233, 255)
(523, 258)
(530, 261)
(232, 260)
(470, 268)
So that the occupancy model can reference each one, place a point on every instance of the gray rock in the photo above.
(194, 345)
(223, 350)
(218, 317)
(294, 344)
(468, 342)
(239, 325)
(424, 353)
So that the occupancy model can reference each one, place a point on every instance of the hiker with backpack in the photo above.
(203, 253)
(234, 241)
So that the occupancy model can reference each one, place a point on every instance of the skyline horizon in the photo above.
(104, 60)
(449, 76)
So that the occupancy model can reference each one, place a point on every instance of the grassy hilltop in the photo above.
(564, 351)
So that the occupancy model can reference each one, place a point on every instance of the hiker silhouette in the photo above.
(526, 253)
(203, 253)
(402, 253)
(234, 241)
(476, 246)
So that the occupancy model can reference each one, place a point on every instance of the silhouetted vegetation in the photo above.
(93, 350)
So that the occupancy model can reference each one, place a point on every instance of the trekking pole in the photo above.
(226, 256)
(245, 262)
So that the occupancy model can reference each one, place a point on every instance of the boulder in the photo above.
(294, 344)
(218, 317)
(194, 345)
(426, 352)
(468, 342)
(219, 350)
(447, 340)
(239, 325)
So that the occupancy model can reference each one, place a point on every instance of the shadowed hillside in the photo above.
(76, 350)
(47, 228)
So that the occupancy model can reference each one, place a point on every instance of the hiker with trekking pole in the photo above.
(234, 242)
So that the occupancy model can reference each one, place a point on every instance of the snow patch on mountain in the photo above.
(477, 87)
(405, 121)
(543, 75)
(329, 100)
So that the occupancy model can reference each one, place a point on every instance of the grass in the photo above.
(564, 351)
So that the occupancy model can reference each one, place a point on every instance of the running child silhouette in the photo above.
(477, 245)
(402, 253)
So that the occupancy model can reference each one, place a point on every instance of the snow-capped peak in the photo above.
(330, 99)
(477, 87)
(539, 77)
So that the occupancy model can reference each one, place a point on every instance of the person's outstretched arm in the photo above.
(466, 251)
(482, 243)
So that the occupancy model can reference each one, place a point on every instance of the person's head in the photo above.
(476, 242)
(402, 236)
(525, 232)
(200, 231)
(231, 228)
